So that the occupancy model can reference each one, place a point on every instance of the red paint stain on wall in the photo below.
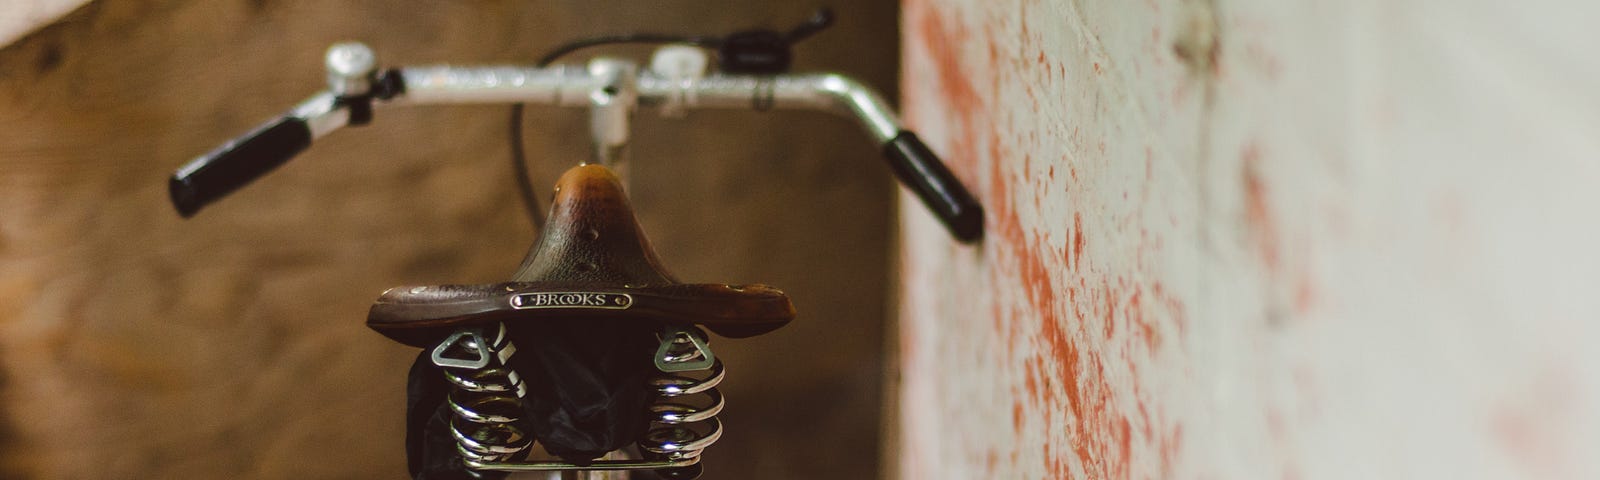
(944, 45)
(1077, 235)
(1101, 438)
(1305, 293)
(1257, 212)
(1031, 379)
(1293, 283)
(1135, 314)
(1170, 446)
(944, 40)
(1017, 418)
(1530, 423)
(1080, 377)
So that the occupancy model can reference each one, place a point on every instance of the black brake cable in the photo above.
(519, 162)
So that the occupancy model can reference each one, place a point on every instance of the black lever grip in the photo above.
(920, 170)
(219, 172)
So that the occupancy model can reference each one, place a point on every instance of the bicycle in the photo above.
(590, 296)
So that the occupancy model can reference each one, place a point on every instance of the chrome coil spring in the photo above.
(683, 416)
(487, 399)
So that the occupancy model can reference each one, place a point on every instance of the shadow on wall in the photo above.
(232, 344)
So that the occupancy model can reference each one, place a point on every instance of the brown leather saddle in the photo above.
(591, 261)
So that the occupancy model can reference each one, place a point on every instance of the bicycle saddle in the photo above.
(591, 261)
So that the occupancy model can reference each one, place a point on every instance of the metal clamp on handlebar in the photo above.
(611, 88)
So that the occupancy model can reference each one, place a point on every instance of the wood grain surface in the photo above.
(136, 345)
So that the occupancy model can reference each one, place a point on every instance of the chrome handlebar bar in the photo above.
(612, 89)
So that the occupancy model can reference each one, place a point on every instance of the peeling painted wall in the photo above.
(1255, 239)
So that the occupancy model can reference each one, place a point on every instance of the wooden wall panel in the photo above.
(136, 345)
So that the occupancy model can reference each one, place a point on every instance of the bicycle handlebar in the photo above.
(921, 171)
(235, 164)
(226, 169)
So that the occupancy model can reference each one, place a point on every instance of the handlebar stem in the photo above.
(611, 106)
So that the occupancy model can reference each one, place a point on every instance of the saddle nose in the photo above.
(592, 237)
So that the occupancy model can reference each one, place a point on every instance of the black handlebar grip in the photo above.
(237, 163)
(921, 171)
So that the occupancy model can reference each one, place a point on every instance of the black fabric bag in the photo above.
(587, 394)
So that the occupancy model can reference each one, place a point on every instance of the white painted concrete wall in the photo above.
(18, 17)
(1250, 239)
